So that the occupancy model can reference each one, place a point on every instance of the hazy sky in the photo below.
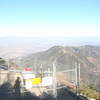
(70, 18)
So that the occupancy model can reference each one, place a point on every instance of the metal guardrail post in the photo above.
(54, 82)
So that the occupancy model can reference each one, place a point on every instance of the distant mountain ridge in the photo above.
(88, 56)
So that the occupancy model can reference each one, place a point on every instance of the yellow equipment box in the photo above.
(36, 81)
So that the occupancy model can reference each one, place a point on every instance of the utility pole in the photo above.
(0, 76)
(77, 71)
(8, 69)
(54, 82)
(0, 73)
(76, 76)
(35, 66)
(48, 72)
(8, 64)
(41, 71)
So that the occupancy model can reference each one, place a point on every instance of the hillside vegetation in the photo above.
(87, 56)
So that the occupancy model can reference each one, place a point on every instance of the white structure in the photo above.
(28, 84)
(28, 76)
(47, 81)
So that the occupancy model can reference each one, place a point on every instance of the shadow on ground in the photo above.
(7, 93)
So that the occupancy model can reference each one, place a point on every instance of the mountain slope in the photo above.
(66, 57)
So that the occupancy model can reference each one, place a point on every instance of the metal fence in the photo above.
(65, 78)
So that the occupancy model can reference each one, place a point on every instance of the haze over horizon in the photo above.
(21, 46)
